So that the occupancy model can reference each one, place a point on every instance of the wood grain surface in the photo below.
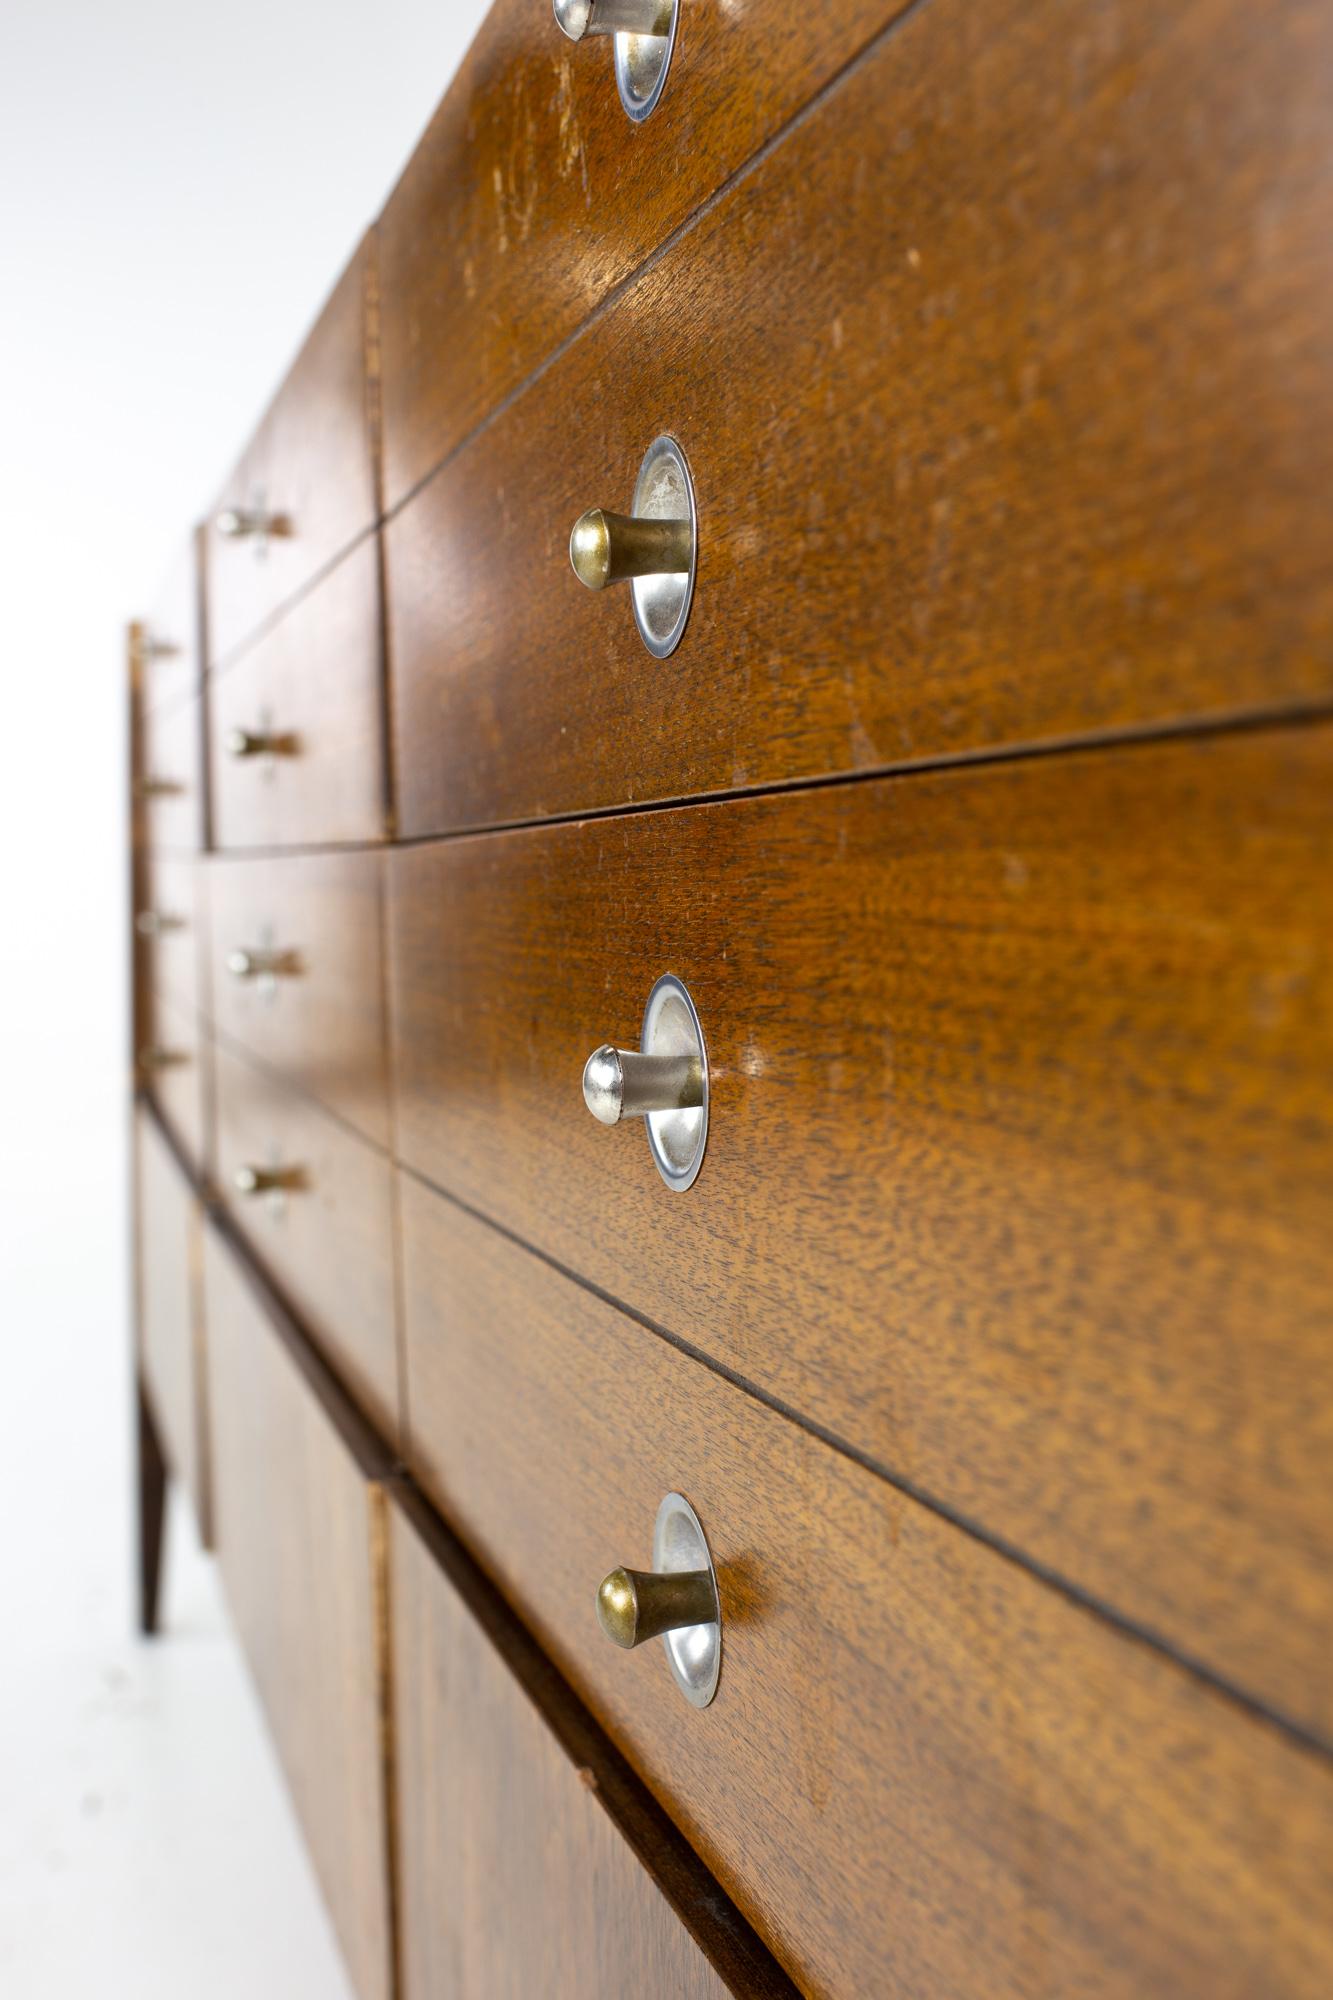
(301, 1537)
(316, 680)
(1018, 1173)
(329, 1240)
(531, 195)
(1004, 382)
(173, 758)
(171, 637)
(514, 1879)
(925, 1771)
(322, 1024)
(172, 1359)
(311, 460)
(181, 1088)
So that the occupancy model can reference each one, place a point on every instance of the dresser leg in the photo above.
(152, 1514)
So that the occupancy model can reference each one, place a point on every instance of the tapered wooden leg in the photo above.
(152, 1514)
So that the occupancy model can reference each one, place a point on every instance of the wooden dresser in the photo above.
(780, 1109)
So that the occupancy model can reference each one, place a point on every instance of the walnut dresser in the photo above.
(735, 1171)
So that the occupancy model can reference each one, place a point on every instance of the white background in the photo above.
(179, 186)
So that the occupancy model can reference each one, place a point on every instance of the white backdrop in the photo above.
(179, 186)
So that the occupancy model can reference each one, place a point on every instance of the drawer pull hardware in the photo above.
(153, 648)
(157, 1057)
(261, 962)
(676, 1601)
(259, 743)
(253, 524)
(262, 1180)
(156, 923)
(158, 788)
(653, 548)
(664, 1082)
(645, 32)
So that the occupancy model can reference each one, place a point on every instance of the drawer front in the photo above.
(169, 646)
(326, 1234)
(513, 1877)
(1018, 1168)
(530, 144)
(309, 469)
(297, 975)
(300, 1536)
(172, 779)
(954, 490)
(169, 928)
(171, 1327)
(312, 689)
(925, 1771)
(174, 1067)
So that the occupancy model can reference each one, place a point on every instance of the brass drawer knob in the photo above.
(251, 1180)
(645, 32)
(261, 962)
(253, 524)
(156, 923)
(636, 1604)
(676, 1601)
(653, 548)
(664, 1082)
(243, 743)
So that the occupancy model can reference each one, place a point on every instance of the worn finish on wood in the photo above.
(301, 1535)
(182, 1087)
(171, 1328)
(1018, 1171)
(329, 1238)
(151, 1466)
(531, 196)
(315, 679)
(311, 461)
(925, 1771)
(322, 1024)
(514, 1879)
(173, 778)
(1005, 387)
(171, 636)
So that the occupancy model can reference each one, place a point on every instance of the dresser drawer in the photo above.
(1018, 1168)
(297, 975)
(304, 489)
(515, 1878)
(173, 1065)
(171, 782)
(169, 662)
(528, 147)
(301, 1538)
(324, 1231)
(925, 1771)
(171, 1325)
(297, 723)
(169, 928)
(955, 489)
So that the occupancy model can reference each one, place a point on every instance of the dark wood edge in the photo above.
(722, 1934)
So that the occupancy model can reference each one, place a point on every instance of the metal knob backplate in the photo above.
(645, 41)
(654, 548)
(664, 1082)
(677, 1600)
